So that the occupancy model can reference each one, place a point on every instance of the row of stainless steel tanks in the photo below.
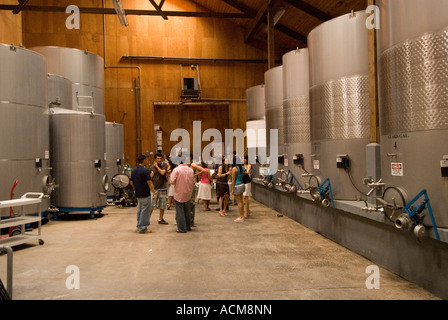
(56, 140)
(318, 99)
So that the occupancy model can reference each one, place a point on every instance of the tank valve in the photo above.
(374, 185)
(326, 203)
(403, 222)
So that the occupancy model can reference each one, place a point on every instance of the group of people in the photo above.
(158, 185)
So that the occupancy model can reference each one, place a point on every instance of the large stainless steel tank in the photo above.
(274, 107)
(339, 100)
(255, 97)
(59, 92)
(413, 61)
(296, 112)
(78, 160)
(256, 123)
(84, 69)
(114, 151)
(25, 140)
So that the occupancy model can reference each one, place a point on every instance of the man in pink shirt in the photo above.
(183, 180)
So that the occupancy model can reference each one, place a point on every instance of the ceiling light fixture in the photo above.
(278, 15)
(120, 12)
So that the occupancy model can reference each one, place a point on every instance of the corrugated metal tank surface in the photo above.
(296, 111)
(25, 140)
(274, 107)
(84, 69)
(413, 77)
(339, 100)
(77, 156)
(114, 151)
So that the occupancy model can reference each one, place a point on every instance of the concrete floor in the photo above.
(266, 257)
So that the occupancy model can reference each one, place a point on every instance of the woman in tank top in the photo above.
(205, 187)
(238, 186)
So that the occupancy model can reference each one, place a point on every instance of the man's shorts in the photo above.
(160, 203)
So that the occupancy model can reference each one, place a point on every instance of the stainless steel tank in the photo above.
(339, 101)
(255, 97)
(296, 112)
(274, 107)
(25, 139)
(256, 123)
(59, 92)
(78, 160)
(114, 151)
(84, 69)
(413, 78)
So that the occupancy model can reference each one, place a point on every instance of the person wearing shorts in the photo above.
(159, 178)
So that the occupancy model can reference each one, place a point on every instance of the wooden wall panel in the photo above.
(10, 26)
(171, 117)
(153, 36)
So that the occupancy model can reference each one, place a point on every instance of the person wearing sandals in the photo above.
(247, 191)
(159, 177)
(205, 187)
(222, 187)
(238, 186)
(171, 167)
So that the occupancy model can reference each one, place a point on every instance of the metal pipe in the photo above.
(183, 59)
(9, 269)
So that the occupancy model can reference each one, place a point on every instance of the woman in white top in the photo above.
(247, 193)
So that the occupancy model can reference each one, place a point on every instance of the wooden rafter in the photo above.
(159, 8)
(261, 15)
(92, 10)
(241, 7)
(280, 27)
(21, 5)
(309, 9)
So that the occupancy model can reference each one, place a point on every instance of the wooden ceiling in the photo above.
(291, 31)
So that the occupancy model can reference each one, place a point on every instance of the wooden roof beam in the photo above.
(129, 12)
(309, 9)
(20, 6)
(259, 18)
(280, 27)
(159, 8)
(241, 7)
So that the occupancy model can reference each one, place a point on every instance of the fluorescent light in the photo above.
(120, 12)
(278, 15)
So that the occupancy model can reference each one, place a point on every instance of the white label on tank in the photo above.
(397, 169)
(47, 155)
(316, 164)
(286, 162)
(444, 163)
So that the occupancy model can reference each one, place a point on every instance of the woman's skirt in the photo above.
(205, 191)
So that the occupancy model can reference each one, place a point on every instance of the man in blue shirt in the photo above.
(141, 181)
